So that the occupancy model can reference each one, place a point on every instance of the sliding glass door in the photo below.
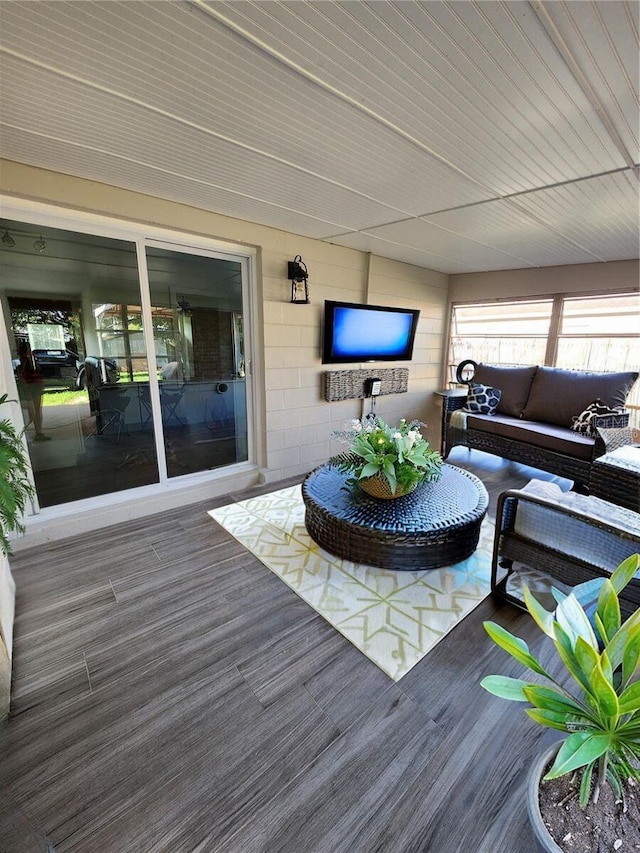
(196, 304)
(128, 358)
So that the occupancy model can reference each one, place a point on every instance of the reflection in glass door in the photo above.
(197, 315)
(72, 309)
(108, 403)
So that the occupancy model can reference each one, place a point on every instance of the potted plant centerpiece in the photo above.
(387, 461)
(584, 793)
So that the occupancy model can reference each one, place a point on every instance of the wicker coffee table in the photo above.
(436, 525)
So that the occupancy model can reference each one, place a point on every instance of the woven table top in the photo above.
(457, 498)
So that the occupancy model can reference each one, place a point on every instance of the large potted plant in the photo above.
(388, 461)
(15, 491)
(594, 772)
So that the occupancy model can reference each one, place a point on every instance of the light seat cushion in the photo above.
(575, 536)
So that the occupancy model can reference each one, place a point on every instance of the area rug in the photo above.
(392, 617)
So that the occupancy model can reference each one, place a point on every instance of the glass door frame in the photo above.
(143, 236)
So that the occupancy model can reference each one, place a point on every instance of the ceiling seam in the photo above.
(308, 75)
(195, 126)
(572, 63)
(202, 182)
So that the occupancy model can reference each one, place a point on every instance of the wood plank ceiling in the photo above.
(458, 136)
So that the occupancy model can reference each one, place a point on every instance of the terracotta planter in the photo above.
(378, 487)
(533, 805)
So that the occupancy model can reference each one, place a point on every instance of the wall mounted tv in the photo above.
(355, 333)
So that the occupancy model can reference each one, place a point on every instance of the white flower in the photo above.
(397, 435)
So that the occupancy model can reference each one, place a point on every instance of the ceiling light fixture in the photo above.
(7, 240)
(298, 275)
(40, 244)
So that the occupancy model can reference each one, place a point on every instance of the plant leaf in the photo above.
(604, 692)
(571, 616)
(543, 618)
(630, 699)
(514, 646)
(550, 699)
(505, 687)
(585, 784)
(625, 572)
(578, 750)
(608, 609)
(550, 719)
(565, 650)
(624, 643)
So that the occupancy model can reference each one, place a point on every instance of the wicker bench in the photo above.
(533, 421)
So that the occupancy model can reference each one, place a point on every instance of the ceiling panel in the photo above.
(220, 83)
(598, 212)
(388, 248)
(456, 76)
(437, 235)
(510, 127)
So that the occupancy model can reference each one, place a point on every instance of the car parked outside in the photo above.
(64, 369)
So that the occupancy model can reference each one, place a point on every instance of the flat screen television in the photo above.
(355, 333)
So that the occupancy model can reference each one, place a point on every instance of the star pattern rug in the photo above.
(393, 617)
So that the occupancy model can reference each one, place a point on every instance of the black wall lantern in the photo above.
(298, 275)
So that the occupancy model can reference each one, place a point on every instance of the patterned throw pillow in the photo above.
(482, 399)
(584, 423)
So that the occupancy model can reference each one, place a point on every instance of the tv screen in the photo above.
(367, 333)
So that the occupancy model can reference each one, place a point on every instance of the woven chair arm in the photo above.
(508, 503)
(454, 404)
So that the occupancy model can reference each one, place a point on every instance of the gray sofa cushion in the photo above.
(546, 436)
(514, 382)
(557, 396)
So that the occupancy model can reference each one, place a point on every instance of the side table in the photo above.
(451, 398)
(615, 477)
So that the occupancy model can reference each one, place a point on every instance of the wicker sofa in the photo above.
(533, 421)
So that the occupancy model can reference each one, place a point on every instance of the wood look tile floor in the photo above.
(171, 694)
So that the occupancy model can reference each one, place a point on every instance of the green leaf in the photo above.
(565, 651)
(550, 719)
(571, 616)
(625, 572)
(586, 657)
(505, 687)
(585, 784)
(514, 646)
(603, 691)
(542, 617)
(630, 699)
(578, 750)
(623, 643)
(369, 470)
(550, 699)
(608, 609)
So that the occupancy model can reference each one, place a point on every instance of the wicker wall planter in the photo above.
(378, 487)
